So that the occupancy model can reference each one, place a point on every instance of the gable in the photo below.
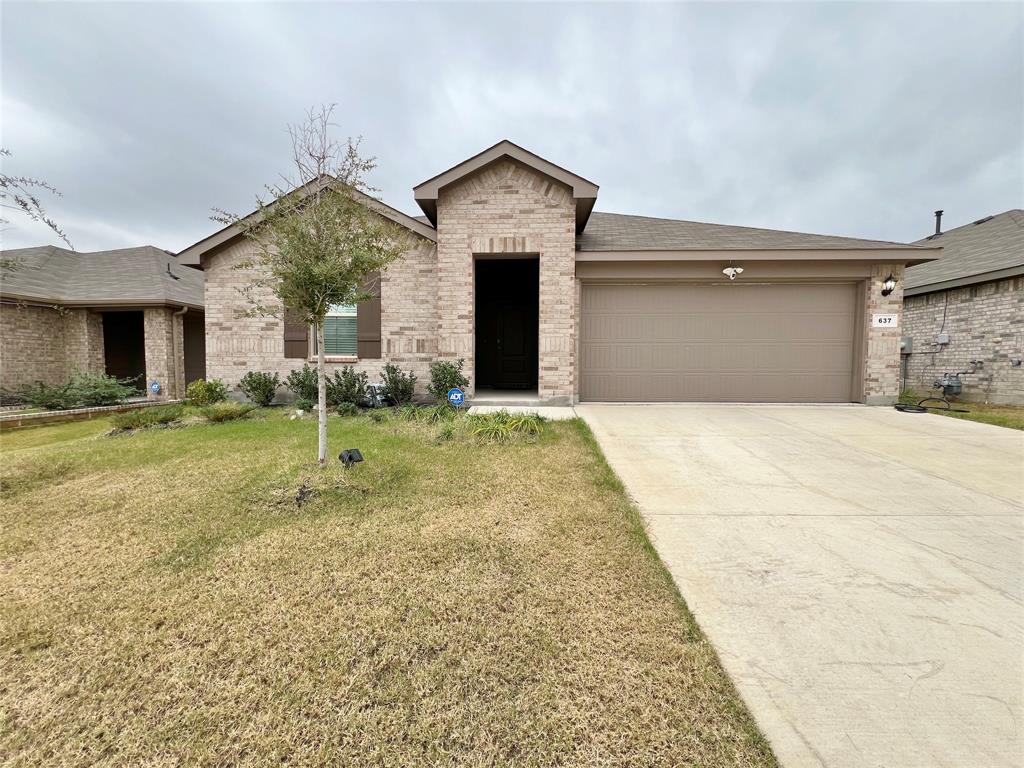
(583, 192)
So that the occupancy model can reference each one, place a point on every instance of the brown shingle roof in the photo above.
(128, 276)
(971, 253)
(621, 232)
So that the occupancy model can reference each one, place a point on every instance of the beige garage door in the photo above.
(717, 343)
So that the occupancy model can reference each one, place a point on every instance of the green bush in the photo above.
(305, 405)
(446, 375)
(348, 409)
(302, 383)
(347, 386)
(502, 426)
(160, 415)
(89, 390)
(206, 392)
(39, 395)
(225, 411)
(97, 389)
(260, 387)
(397, 386)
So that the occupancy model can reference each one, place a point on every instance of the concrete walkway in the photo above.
(860, 571)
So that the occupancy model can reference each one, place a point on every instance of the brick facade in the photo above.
(882, 345)
(237, 343)
(165, 353)
(508, 209)
(984, 322)
(47, 344)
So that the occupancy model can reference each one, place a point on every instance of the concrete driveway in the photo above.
(860, 570)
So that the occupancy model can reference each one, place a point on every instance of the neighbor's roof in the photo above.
(987, 249)
(125, 277)
(621, 232)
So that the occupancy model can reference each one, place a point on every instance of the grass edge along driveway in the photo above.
(164, 599)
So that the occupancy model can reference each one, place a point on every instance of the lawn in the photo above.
(1011, 416)
(165, 600)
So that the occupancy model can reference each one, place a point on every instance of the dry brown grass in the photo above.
(164, 601)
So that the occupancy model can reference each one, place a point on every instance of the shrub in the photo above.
(348, 409)
(8, 397)
(148, 417)
(502, 426)
(206, 392)
(39, 395)
(97, 389)
(397, 386)
(347, 386)
(305, 405)
(222, 411)
(302, 383)
(446, 375)
(260, 387)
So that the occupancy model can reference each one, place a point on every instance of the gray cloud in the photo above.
(852, 119)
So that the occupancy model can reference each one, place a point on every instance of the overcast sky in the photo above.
(847, 119)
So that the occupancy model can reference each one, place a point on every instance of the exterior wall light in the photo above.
(888, 285)
(731, 272)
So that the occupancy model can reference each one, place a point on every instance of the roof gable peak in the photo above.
(584, 191)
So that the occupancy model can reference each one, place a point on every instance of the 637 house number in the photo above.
(884, 321)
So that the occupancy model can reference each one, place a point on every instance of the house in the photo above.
(134, 313)
(550, 301)
(965, 312)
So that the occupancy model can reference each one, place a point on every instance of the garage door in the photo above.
(717, 343)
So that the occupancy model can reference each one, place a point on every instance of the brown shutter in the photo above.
(368, 322)
(296, 335)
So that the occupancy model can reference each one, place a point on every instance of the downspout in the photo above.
(179, 386)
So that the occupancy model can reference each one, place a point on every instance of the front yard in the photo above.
(164, 599)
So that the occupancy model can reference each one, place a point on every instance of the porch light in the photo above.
(888, 285)
(731, 272)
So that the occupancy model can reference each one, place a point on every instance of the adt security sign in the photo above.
(456, 397)
(155, 387)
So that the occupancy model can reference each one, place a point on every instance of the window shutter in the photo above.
(296, 335)
(368, 345)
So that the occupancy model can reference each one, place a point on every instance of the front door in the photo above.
(506, 324)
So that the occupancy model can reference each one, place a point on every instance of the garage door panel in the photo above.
(750, 343)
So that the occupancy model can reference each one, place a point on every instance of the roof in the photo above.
(621, 232)
(987, 249)
(192, 255)
(584, 192)
(126, 277)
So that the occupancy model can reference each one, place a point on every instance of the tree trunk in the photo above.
(321, 386)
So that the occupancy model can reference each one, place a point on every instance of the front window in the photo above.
(340, 331)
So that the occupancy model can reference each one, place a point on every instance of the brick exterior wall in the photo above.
(984, 322)
(165, 353)
(882, 345)
(236, 343)
(504, 209)
(48, 345)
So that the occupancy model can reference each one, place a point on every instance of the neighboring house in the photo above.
(513, 271)
(134, 313)
(965, 312)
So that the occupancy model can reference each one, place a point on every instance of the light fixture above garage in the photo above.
(731, 272)
(888, 285)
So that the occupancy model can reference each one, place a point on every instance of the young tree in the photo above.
(318, 238)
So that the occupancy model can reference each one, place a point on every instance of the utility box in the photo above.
(942, 338)
(906, 345)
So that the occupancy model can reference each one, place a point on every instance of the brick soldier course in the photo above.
(507, 203)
